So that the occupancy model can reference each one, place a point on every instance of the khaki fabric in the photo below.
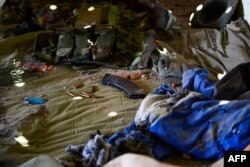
(42, 161)
(49, 129)
(218, 51)
(17, 46)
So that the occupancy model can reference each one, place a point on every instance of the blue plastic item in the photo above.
(34, 100)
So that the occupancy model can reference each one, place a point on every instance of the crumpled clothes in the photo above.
(197, 80)
(234, 85)
(157, 104)
(95, 153)
(155, 111)
(217, 50)
(149, 109)
(133, 139)
(164, 89)
(205, 128)
(135, 142)
(166, 67)
(136, 139)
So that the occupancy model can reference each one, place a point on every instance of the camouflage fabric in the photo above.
(136, 29)
(81, 43)
(65, 45)
(103, 46)
(128, 39)
(45, 46)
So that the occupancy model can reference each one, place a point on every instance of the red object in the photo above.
(34, 65)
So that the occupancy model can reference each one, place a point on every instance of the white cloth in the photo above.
(151, 108)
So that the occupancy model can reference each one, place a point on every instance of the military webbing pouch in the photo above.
(81, 38)
(45, 46)
(81, 44)
(65, 46)
(103, 46)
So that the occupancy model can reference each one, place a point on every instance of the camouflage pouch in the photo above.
(45, 46)
(65, 46)
(103, 47)
(81, 44)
